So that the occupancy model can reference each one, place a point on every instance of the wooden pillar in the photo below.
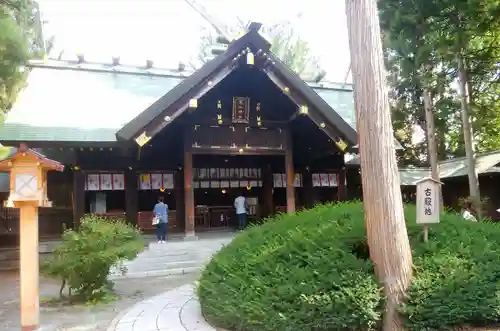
(290, 178)
(78, 197)
(131, 197)
(307, 183)
(189, 230)
(354, 190)
(342, 188)
(267, 188)
(29, 265)
(179, 200)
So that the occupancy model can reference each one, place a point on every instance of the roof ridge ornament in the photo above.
(254, 26)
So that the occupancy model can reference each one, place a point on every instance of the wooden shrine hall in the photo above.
(242, 124)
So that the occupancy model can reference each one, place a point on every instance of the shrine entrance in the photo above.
(219, 179)
(243, 123)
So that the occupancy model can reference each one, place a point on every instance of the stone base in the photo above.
(29, 327)
(190, 236)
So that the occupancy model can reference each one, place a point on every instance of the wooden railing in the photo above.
(118, 215)
(145, 221)
(51, 221)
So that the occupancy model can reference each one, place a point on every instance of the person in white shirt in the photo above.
(241, 206)
(467, 213)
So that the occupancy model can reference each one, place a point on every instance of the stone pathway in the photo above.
(178, 259)
(83, 318)
(175, 257)
(175, 310)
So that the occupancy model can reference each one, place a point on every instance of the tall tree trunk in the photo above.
(468, 137)
(386, 229)
(431, 137)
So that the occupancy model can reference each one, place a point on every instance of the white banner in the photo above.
(168, 181)
(119, 182)
(106, 182)
(93, 182)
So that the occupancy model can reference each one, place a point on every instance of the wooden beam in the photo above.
(221, 150)
(307, 184)
(267, 187)
(290, 176)
(78, 197)
(75, 145)
(211, 120)
(321, 122)
(189, 230)
(181, 105)
(341, 185)
(179, 198)
(131, 197)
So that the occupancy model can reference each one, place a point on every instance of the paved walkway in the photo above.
(175, 257)
(178, 259)
(175, 310)
(83, 317)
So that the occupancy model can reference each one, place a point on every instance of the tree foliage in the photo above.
(285, 44)
(84, 258)
(20, 38)
(421, 33)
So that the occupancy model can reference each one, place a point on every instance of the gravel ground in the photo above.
(81, 318)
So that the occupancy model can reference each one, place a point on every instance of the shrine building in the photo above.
(243, 122)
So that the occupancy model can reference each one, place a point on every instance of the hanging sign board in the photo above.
(241, 110)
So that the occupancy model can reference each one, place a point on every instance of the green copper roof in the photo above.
(485, 163)
(90, 103)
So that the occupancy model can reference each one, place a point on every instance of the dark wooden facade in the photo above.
(244, 119)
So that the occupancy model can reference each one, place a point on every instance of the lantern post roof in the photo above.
(23, 151)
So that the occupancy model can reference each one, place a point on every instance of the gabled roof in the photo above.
(12, 153)
(194, 82)
(89, 102)
(174, 102)
(486, 163)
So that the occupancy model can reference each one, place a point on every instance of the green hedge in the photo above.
(311, 271)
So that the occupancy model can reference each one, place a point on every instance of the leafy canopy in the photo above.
(285, 44)
(421, 40)
(20, 38)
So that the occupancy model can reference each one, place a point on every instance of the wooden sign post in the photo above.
(428, 208)
(28, 191)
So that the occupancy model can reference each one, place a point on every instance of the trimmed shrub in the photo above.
(299, 272)
(84, 258)
(311, 271)
(457, 275)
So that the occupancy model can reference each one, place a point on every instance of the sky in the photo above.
(168, 31)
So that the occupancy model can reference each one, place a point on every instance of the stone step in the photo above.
(171, 258)
(159, 265)
(9, 265)
(12, 264)
(9, 254)
(157, 273)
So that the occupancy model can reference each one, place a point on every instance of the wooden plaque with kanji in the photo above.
(241, 110)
